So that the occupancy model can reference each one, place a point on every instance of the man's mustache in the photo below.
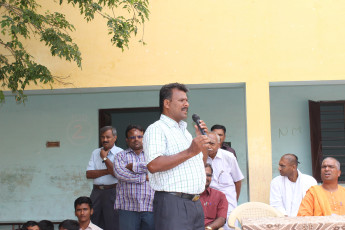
(105, 142)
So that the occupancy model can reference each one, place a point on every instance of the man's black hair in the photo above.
(29, 223)
(69, 225)
(218, 127)
(82, 200)
(208, 165)
(46, 225)
(130, 127)
(166, 93)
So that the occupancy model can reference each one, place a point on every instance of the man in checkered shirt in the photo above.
(176, 163)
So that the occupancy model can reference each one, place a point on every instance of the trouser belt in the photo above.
(103, 187)
(187, 196)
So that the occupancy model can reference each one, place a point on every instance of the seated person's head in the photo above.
(46, 225)
(209, 173)
(83, 209)
(30, 225)
(69, 225)
(330, 170)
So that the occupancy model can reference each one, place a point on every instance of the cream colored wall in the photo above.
(214, 41)
(218, 41)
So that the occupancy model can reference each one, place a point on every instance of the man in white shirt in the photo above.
(83, 211)
(176, 163)
(227, 175)
(100, 169)
(288, 189)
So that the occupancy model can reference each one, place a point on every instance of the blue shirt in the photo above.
(96, 163)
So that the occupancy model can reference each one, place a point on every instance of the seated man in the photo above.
(83, 211)
(46, 225)
(326, 199)
(69, 225)
(214, 203)
(30, 225)
(288, 189)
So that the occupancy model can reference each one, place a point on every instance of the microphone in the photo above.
(196, 119)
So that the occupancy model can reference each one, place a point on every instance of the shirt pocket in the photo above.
(224, 178)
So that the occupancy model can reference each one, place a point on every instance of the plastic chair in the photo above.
(249, 210)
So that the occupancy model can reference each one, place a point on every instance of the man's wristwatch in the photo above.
(208, 227)
(105, 158)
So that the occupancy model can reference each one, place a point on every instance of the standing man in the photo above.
(221, 131)
(83, 211)
(326, 199)
(134, 194)
(227, 175)
(214, 203)
(288, 189)
(175, 163)
(100, 169)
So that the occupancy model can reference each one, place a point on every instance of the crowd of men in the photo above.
(168, 180)
(156, 183)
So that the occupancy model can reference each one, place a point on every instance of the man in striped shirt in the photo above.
(176, 163)
(134, 194)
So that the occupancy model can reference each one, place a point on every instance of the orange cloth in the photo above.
(319, 202)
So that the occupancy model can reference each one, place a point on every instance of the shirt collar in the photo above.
(172, 123)
(112, 150)
(218, 155)
(129, 150)
(208, 190)
(88, 227)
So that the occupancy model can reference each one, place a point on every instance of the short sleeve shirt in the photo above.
(166, 137)
(96, 163)
(225, 173)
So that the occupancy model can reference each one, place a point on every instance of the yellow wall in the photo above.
(218, 41)
(214, 41)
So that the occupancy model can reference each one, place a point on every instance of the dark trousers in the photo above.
(130, 220)
(104, 214)
(175, 213)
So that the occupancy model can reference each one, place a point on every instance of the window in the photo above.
(327, 134)
(121, 118)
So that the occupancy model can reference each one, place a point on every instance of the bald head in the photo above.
(292, 159)
(288, 166)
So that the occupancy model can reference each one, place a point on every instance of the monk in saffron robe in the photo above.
(326, 199)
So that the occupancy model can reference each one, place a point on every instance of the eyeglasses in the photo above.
(208, 175)
(134, 137)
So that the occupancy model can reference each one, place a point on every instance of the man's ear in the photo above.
(339, 173)
(91, 211)
(166, 103)
(115, 138)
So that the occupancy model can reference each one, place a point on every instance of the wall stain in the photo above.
(75, 180)
(12, 180)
